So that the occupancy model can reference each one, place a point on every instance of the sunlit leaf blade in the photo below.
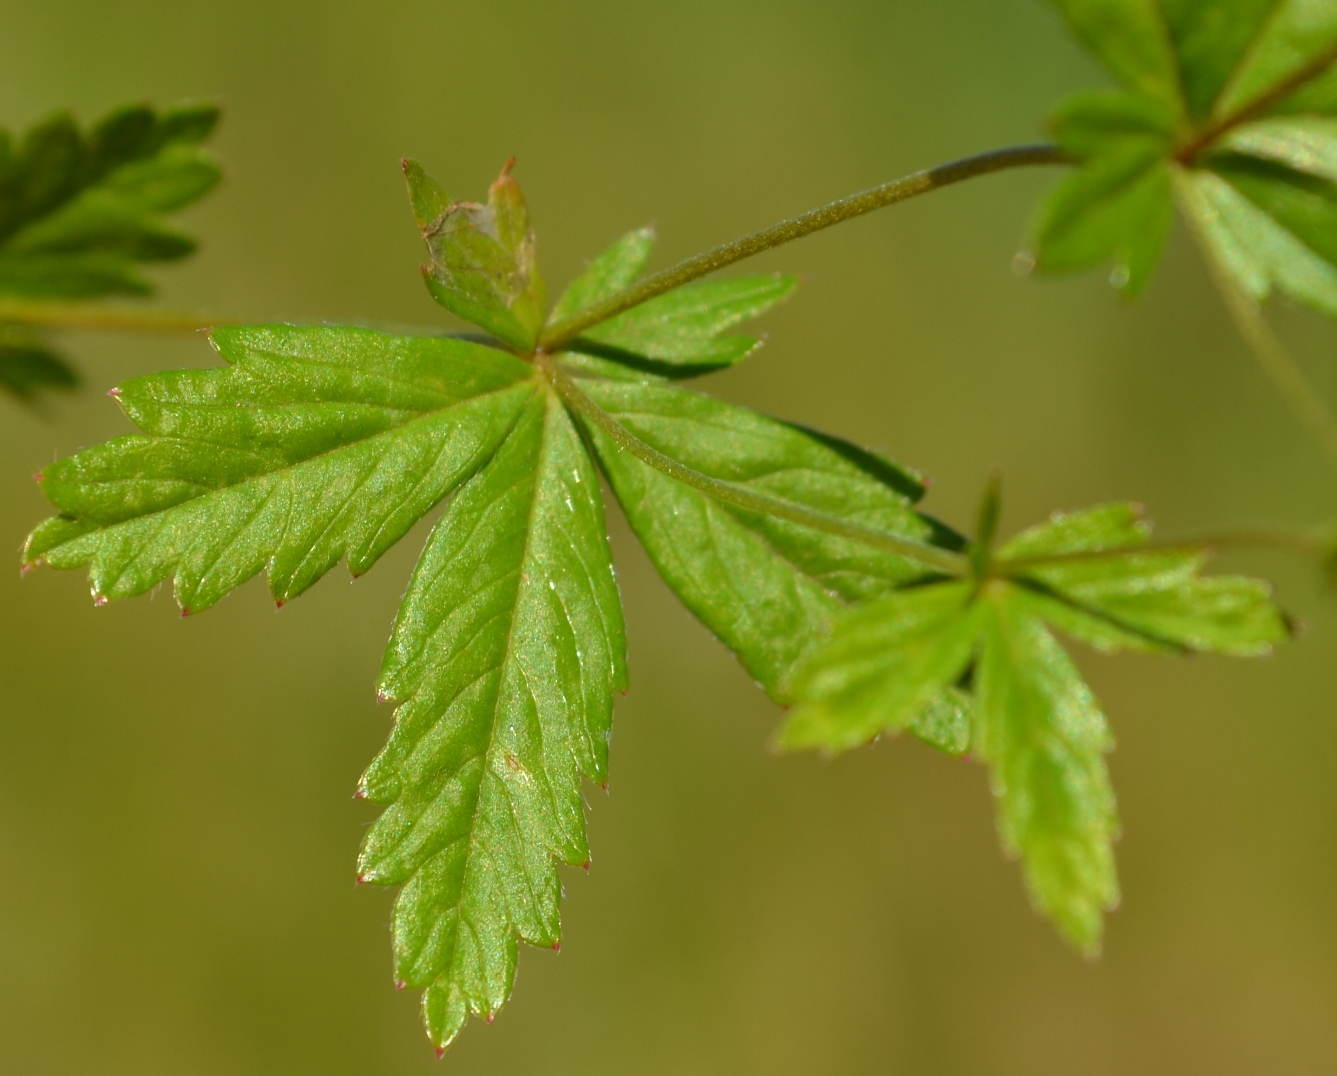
(886, 662)
(1244, 134)
(763, 585)
(946, 722)
(1155, 600)
(27, 369)
(1258, 252)
(79, 210)
(484, 260)
(313, 445)
(1128, 37)
(1043, 736)
(615, 269)
(505, 656)
(1298, 35)
(1306, 144)
(681, 334)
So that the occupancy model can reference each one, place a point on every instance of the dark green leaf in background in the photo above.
(27, 368)
(1228, 106)
(79, 210)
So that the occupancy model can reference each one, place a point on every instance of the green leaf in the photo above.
(763, 585)
(28, 369)
(948, 651)
(1238, 126)
(889, 661)
(1128, 37)
(1155, 600)
(1119, 205)
(79, 210)
(1299, 35)
(1043, 737)
(504, 657)
(484, 260)
(615, 269)
(679, 334)
(314, 444)
(1269, 226)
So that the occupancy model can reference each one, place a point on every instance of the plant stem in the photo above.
(1277, 363)
(1205, 138)
(856, 205)
(100, 316)
(741, 496)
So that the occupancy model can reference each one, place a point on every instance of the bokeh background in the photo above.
(176, 828)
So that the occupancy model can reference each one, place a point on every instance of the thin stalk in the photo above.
(97, 316)
(1309, 542)
(1278, 363)
(741, 496)
(856, 205)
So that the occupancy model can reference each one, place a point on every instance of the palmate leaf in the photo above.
(314, 445)
(1033, 720)
(323, 443)
(1228, 107)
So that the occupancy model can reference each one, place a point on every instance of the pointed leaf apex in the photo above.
(426, 196)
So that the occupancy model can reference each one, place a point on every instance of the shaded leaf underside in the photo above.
(1248, 89)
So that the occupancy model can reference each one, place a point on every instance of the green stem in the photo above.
(856, 205)
(1277, 363)
(741, 496)
(1255, 108)
(97, 316)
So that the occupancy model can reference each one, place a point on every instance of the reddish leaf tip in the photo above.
(506, 168)
(603, 785)
(363, 879)
(100, 600)
(585, 866)
(114, 393)
(381, 696)
(404, 164)
(39, 476)
(440, 1052)
(185, 612)
(491, 1016)
(400, 984)
(360, 794)
(279, 603)
(557, 947)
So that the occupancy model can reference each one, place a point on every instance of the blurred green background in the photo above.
(176, 826)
